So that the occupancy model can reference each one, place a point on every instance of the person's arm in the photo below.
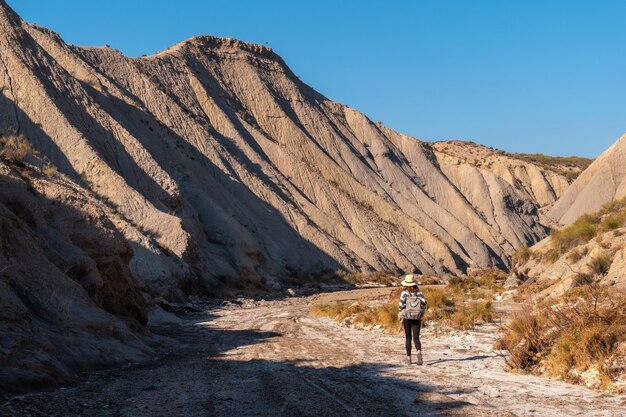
(402, 303)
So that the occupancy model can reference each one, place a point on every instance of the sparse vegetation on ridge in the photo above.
(568, 166)
(612, 216)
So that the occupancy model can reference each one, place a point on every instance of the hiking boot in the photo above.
(419, 358)
(408, 360)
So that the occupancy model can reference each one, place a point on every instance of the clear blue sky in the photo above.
(527, 76)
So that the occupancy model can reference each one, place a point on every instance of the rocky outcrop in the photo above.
(602, 182)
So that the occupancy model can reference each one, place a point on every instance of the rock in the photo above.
(512, 281)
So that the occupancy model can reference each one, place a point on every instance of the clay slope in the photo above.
(68, 301)
(602, 182)
(225, 165)
(540, 184)
(592, 249)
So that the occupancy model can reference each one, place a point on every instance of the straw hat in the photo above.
(409, 281)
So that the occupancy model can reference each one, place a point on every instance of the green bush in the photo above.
(522, 254)
(581, 231)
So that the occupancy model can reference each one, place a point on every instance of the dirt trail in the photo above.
(271, 358)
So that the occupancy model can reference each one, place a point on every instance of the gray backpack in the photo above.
(414, 309)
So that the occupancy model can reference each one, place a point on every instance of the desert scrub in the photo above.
(14, 148)
(611, 217)
(581, 231)
(50, 170)
(576, 338)
(456, 311)
(468, 315)
(338, 310)
(444, 309)
(384, 315)
(481, 287)
(522, 255)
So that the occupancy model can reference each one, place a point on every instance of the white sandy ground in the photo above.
(272, 358)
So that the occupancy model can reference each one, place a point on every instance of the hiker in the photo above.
(412, 306)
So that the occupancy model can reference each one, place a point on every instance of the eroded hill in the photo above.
(602, 182)
(227, 164)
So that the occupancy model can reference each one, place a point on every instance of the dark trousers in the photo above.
(412, 327)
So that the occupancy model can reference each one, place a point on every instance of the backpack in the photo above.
(414, 309)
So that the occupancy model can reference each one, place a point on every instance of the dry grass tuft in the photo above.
(611, 217)
(50, 170)
(462, 304)
(338, 310)
(15, 148)
(581, 231)
(565, 338)
(384, 315)
(522, 255)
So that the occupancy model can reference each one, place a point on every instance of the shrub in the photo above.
(385, 315)
(483, 286)
(15, 148)
(582, 348)
(568, 337)
(337, 310)
(522, 339)
(581, 231)
(440, 304)
(612, 222)
(601, 263)
(611, 217)
(613, 206)
(442, 309)
(466, 316)
(50, 170)
(522, 255)
(575, 255)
